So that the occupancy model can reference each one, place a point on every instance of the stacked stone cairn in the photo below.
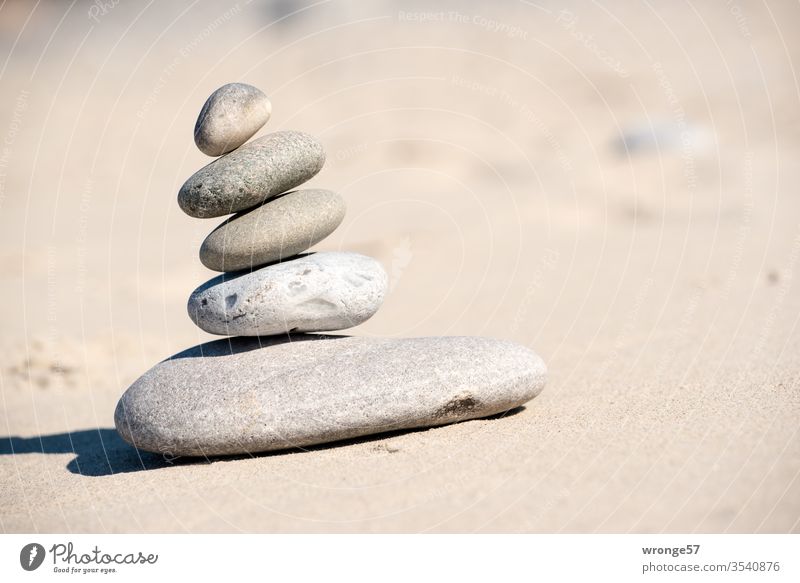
(277, 383)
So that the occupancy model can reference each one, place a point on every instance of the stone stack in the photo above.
(273, 385)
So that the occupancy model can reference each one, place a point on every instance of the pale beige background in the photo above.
(481, 164)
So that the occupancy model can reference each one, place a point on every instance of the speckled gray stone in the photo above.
(230, 117)
(313, 293)
(280, 228)
(248, 395)
(251, 174)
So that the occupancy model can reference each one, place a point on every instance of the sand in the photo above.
(478, 150)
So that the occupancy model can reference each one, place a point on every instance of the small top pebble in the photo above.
(230, 117)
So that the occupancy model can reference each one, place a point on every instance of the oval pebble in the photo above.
(252, 174)
(248, 395)
(316, 292)
(230, 117)
(280, 228)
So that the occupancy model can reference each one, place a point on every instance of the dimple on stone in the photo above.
(296, 287)
(230, 301)
(320, 303)
(277, 298)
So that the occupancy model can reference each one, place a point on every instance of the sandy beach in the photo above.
(613, 186)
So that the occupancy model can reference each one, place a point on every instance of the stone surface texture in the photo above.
(248, 395)
(252, 174)
(315, 292)
(230, 117)
(278, 229)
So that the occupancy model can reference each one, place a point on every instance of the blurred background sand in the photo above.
(612, 184)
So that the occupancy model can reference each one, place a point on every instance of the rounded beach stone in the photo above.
(316, 292)
(248, 395)
(230, 117)
(280, 228)
(251, 174)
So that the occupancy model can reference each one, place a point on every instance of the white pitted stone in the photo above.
(248, 395)
(316, 292)
(230, 117)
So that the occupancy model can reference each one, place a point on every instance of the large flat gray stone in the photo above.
(278, 229)
(251, 174)
(247, 395)
(313, 293)
(230, 117)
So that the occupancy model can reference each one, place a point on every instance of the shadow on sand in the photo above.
(102, 452)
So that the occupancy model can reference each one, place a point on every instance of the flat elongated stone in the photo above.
(247, 395)
(280, 228)
(313, 293)
(251, 174)
(230, 117)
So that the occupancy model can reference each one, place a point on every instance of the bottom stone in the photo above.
(250, 394)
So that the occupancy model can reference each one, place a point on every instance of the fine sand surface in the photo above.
(482, 165)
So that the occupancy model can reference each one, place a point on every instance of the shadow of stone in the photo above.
(237, 344)
(98, 452)
(102, 452)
